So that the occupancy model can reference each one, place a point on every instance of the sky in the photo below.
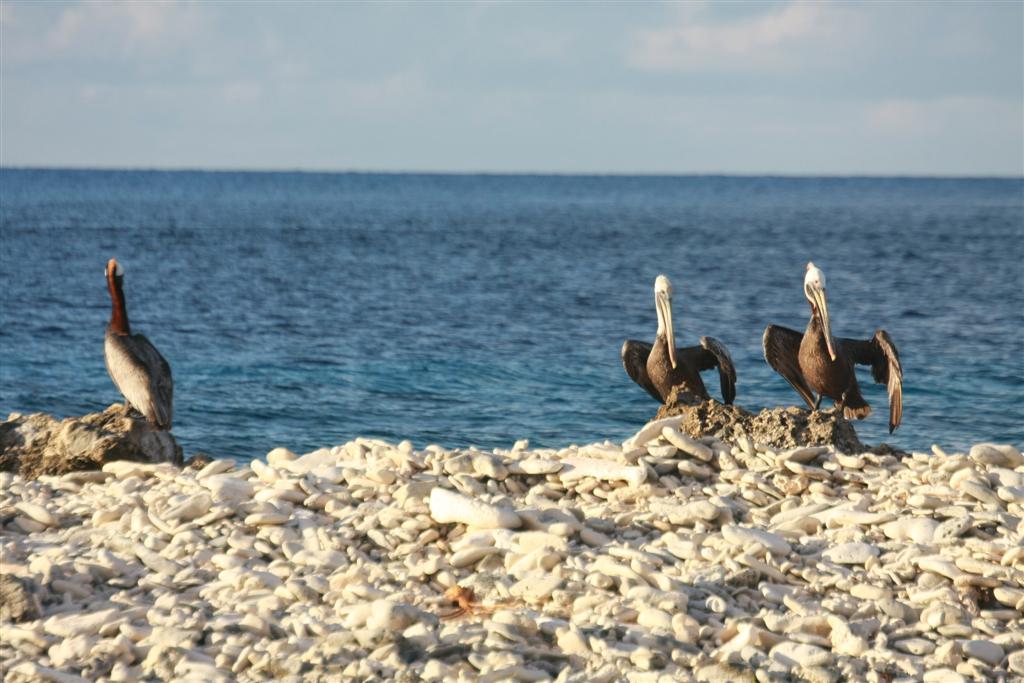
(795, 87)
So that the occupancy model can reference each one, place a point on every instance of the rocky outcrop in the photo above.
(777, 427)
(37, 444)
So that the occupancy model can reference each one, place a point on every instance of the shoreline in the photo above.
(662, 557)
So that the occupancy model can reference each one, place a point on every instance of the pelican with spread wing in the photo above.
(817, 365)
(660, 366)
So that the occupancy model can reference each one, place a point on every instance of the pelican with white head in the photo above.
(660, 368)
(814, 290)
(663, 306)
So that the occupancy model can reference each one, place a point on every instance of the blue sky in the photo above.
(778, 87)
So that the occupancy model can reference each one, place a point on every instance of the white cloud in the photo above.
(125, 28)
(931, 117)
(772, 39)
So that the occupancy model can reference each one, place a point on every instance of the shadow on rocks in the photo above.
(790, 427)
(38, 444)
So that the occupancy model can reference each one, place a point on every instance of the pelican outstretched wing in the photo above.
(712, 354)
(634, 359)
(782, 350)
(880, 353)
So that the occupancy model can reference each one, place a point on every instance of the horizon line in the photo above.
(511, 173)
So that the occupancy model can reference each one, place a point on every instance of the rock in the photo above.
(196, 506)
(391, 616)
(687, 445)
(916, 529)
(266, 519)
(228, 488)
(449, 507)
(572, 642)
(915, 646)
(844, 641)
(800, 655)
(650, 431)
(723, 673)
(687, 514)
(985, 650)
(538, 466)
(742, 537)
(943, 676)
(39, 444)
(1015, 662)
(278, 457)
(71, 650)
(851, 553)
(85, 624)
(30, 671)
(489, 466)
(581, 468)
(1000, 455)
(18, 599)
(655, 620)
(37, 513)
(536, 588)
(776, 427)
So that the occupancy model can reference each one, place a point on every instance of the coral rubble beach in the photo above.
(663, 558)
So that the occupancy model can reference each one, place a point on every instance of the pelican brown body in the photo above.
(138, 370)
(816, 363)
(659, 367)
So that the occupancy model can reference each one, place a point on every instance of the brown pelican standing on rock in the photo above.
(816, 363)
(137, 368)
(661, 366)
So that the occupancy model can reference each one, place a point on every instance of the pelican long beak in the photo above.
(665, 313)
(821, 305)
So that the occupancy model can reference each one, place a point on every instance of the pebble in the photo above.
(689, 446)
(37, 513)
(800, 655)
(851, 553)
(576, 469)
(450, 507)
(985, 650)
(539, 466)
(915, 646)
(87, 624)
(915, 529)
(669, 558)
(1000, 455)
(746, 536)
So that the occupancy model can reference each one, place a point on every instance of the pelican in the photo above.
(816, 363)
(138, 370)
(661, 366)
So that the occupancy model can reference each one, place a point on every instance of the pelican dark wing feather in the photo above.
(880, 353)
(142, 375)
(712, 354)
(782, 351)
(634, 360)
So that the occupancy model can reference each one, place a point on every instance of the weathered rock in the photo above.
(18, 599)
(775, 427)
(38, 444)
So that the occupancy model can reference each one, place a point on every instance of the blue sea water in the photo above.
(304, 309)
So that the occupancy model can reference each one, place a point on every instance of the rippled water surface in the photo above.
(304, 309)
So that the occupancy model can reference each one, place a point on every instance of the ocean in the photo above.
(305, 309)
